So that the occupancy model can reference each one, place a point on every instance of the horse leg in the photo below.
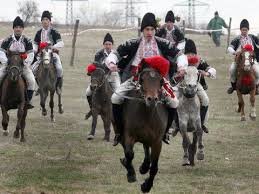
(93, 127)
(20, 113)
(43, 98)
(145, 166)
(23, 122)
(127, 160)
(60, 106)
(199, 133)
(107, 126)
(241, 105)
(185, 143)
(5, 120)
(155, 153)
(252, 101)
(51, 105)
(192, 149)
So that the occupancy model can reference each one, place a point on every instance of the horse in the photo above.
(101, 101)
(245, 82)
(47, 78)
(13, 95)
(144, 120)
(189, 116)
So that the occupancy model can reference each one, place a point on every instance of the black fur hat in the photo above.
(149, 19)
(190, 47)
(18, 22)
(46, 14)
(108, 37)
(244, 24)
(170, 17)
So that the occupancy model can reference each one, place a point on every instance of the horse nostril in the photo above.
(156, 99)
(149, 99)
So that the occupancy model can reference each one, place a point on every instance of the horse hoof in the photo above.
(61, 111)
(200, 155)
(22, 140)
(53, 120)
(146, 186)
(106, 139)
(5, 133)
(243, 118)
(44, 113)
(16, 134)
(144, 168)
(131, 178)
(90, 137)
(186, 162)
(252, 117)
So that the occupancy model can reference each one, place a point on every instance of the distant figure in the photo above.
(216, 23)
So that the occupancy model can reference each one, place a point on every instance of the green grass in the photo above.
(39, 165)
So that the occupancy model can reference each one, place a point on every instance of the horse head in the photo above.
(98, 76)
(245, 58)
(151, 82)
(15, 65)
(190, 82)
(46, 56)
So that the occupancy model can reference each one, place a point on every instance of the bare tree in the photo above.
(29, 11)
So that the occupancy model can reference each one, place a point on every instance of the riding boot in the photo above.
(89, 99)
(171, 116)
(203, 112)
(38, 90)
(232, 88)
(59, 84)
(29, 99)
(118, 118)
(177, 128)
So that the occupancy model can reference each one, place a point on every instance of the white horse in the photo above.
(189, 116)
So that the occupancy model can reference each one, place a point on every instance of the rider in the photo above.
(235, 47)
(100, 56)
(129, 55)
(206, 71)
(53, 37)
(171, 32)
(17, 42)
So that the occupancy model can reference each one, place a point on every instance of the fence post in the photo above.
(139, 23)
(183, 27)
(74, 43)
(229, 31)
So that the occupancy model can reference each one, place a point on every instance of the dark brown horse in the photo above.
(245, 82)
(101, 101)
(13, 95)
(144, 120)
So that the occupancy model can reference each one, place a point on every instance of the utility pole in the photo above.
(69, 11)
(191, 4)
(130, 14)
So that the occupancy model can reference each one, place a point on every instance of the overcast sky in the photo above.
(237, 9)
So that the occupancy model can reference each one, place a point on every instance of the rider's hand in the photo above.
(204, 73)
(54, 50)
(181, 72)
(112, 67)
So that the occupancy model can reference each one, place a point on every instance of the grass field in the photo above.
(231, 162)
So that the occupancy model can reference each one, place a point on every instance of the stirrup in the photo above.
(166, 138)
(230, 90)
(205, 129)
(117, 139)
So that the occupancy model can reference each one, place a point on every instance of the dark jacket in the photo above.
(25, 40)
(127, 51)
(204, 66)
(236, 41)
(177, 34)
(54, 36)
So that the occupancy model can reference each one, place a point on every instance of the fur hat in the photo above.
(46, 14)
(244, 24)
(149, 19)
(170, 17)
(108, 37)
(18, 22)
(190, 47)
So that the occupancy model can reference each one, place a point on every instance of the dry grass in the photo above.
(231, 161)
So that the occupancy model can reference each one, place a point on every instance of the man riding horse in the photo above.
(171, 32)
(51, 36)
(100, 56)
(17, 42)
(236, 46)
(129, 55)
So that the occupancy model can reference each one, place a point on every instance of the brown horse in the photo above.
(144, 120)
(13, 95)
(101, 101)
(245, 82)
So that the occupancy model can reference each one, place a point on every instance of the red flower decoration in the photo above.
(248, 47)
(159, 63)
(193, 59)
(43, 45)
(23, 56)
(247, 80)
(90, 68)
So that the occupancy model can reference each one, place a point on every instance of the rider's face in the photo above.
(169, 25)
(18, 30)
(244, 31)
(149, 32)
(45, 23)
(107, 46)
